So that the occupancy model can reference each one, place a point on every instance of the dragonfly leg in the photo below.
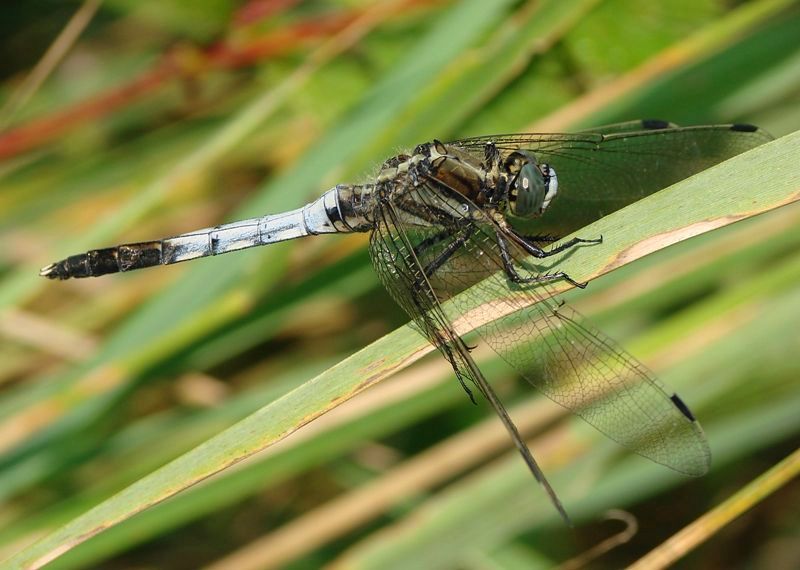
(451, 358)
(447, 252)
(431, 241)
(514, 275)
(436, 264)
(534, 239)
(535, 250)
(571, 243)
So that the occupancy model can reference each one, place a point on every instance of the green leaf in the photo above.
(672, 215)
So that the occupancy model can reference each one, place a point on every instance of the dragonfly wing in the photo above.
(631, 126)
(394, 243)
(602, 171)
(531, 141)
(550, 344)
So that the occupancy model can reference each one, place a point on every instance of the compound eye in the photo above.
(531, 188)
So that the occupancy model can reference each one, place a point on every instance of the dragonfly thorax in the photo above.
(531, 186)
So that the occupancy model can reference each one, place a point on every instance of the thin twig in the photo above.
(613, 541)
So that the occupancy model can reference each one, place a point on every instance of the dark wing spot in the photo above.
(744, 128)
(655, 124)
(682, 407)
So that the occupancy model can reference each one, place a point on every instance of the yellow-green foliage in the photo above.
(121, 392)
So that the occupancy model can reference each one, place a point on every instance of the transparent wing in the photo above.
(602, 171)
(631, 126)
(393, 244)
(548, 343)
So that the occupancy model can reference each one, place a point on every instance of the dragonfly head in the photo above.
(532, 185)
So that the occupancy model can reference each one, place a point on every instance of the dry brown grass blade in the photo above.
(419, 474)
(713, 521)
(47, 335)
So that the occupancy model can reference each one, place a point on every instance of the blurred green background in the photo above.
(157, 118)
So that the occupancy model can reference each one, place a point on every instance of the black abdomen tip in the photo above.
(104, 261)
(54, 271)
(138, 255)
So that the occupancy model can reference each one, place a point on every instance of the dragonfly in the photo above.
(454, 224)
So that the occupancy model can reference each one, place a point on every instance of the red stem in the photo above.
(222, 55)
